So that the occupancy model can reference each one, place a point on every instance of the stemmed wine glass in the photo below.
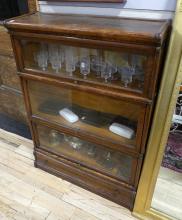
(41, 57)
(127, 73)
(84, 62)
(107, 70)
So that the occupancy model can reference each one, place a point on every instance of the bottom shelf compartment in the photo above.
(99, 184)
(96, 157)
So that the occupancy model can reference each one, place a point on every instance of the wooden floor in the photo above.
(168, 193)
(30, 193)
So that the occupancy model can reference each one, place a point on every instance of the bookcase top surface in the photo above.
(86, 26)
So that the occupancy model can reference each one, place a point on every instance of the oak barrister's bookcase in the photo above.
(90, 85)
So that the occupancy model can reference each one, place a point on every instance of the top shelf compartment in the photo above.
(117, 54)
(100, 66)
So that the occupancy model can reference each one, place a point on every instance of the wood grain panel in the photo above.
(8, 73)
(12, 104)
(104, 187)
(92, 27)
(5, 42)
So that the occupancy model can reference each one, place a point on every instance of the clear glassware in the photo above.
(41, 57)
(62, 53)
(55, 138)
(106, 160)
(74, 142)
(91, 151)
(106, 71)
(96, 63)
(70, 57)
(126, 75)
(84, 62)
(110, 60)
(137, 64)
(55, 57)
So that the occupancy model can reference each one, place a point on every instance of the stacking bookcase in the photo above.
(90, 85)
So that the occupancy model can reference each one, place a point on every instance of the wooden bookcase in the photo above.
(107, 72)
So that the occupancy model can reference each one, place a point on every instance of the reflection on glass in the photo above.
(91, 155)
(98, 65)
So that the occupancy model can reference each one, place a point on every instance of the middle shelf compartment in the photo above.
(107, 119)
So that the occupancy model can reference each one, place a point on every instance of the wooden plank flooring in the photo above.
(30, 193)
(168, 193)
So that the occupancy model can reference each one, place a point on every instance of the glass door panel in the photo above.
(85, 153)
(96, 115)
(101, 66)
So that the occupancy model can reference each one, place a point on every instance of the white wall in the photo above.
(155, 9)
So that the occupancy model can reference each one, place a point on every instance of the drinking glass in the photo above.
(70, 60)
(41, 57)
(126, 75)
(84, 62)
(107, 70)
(62, 53)
(55, 57)
(96, 63)
(111, 59)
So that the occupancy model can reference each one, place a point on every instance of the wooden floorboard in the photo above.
(30, 193)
